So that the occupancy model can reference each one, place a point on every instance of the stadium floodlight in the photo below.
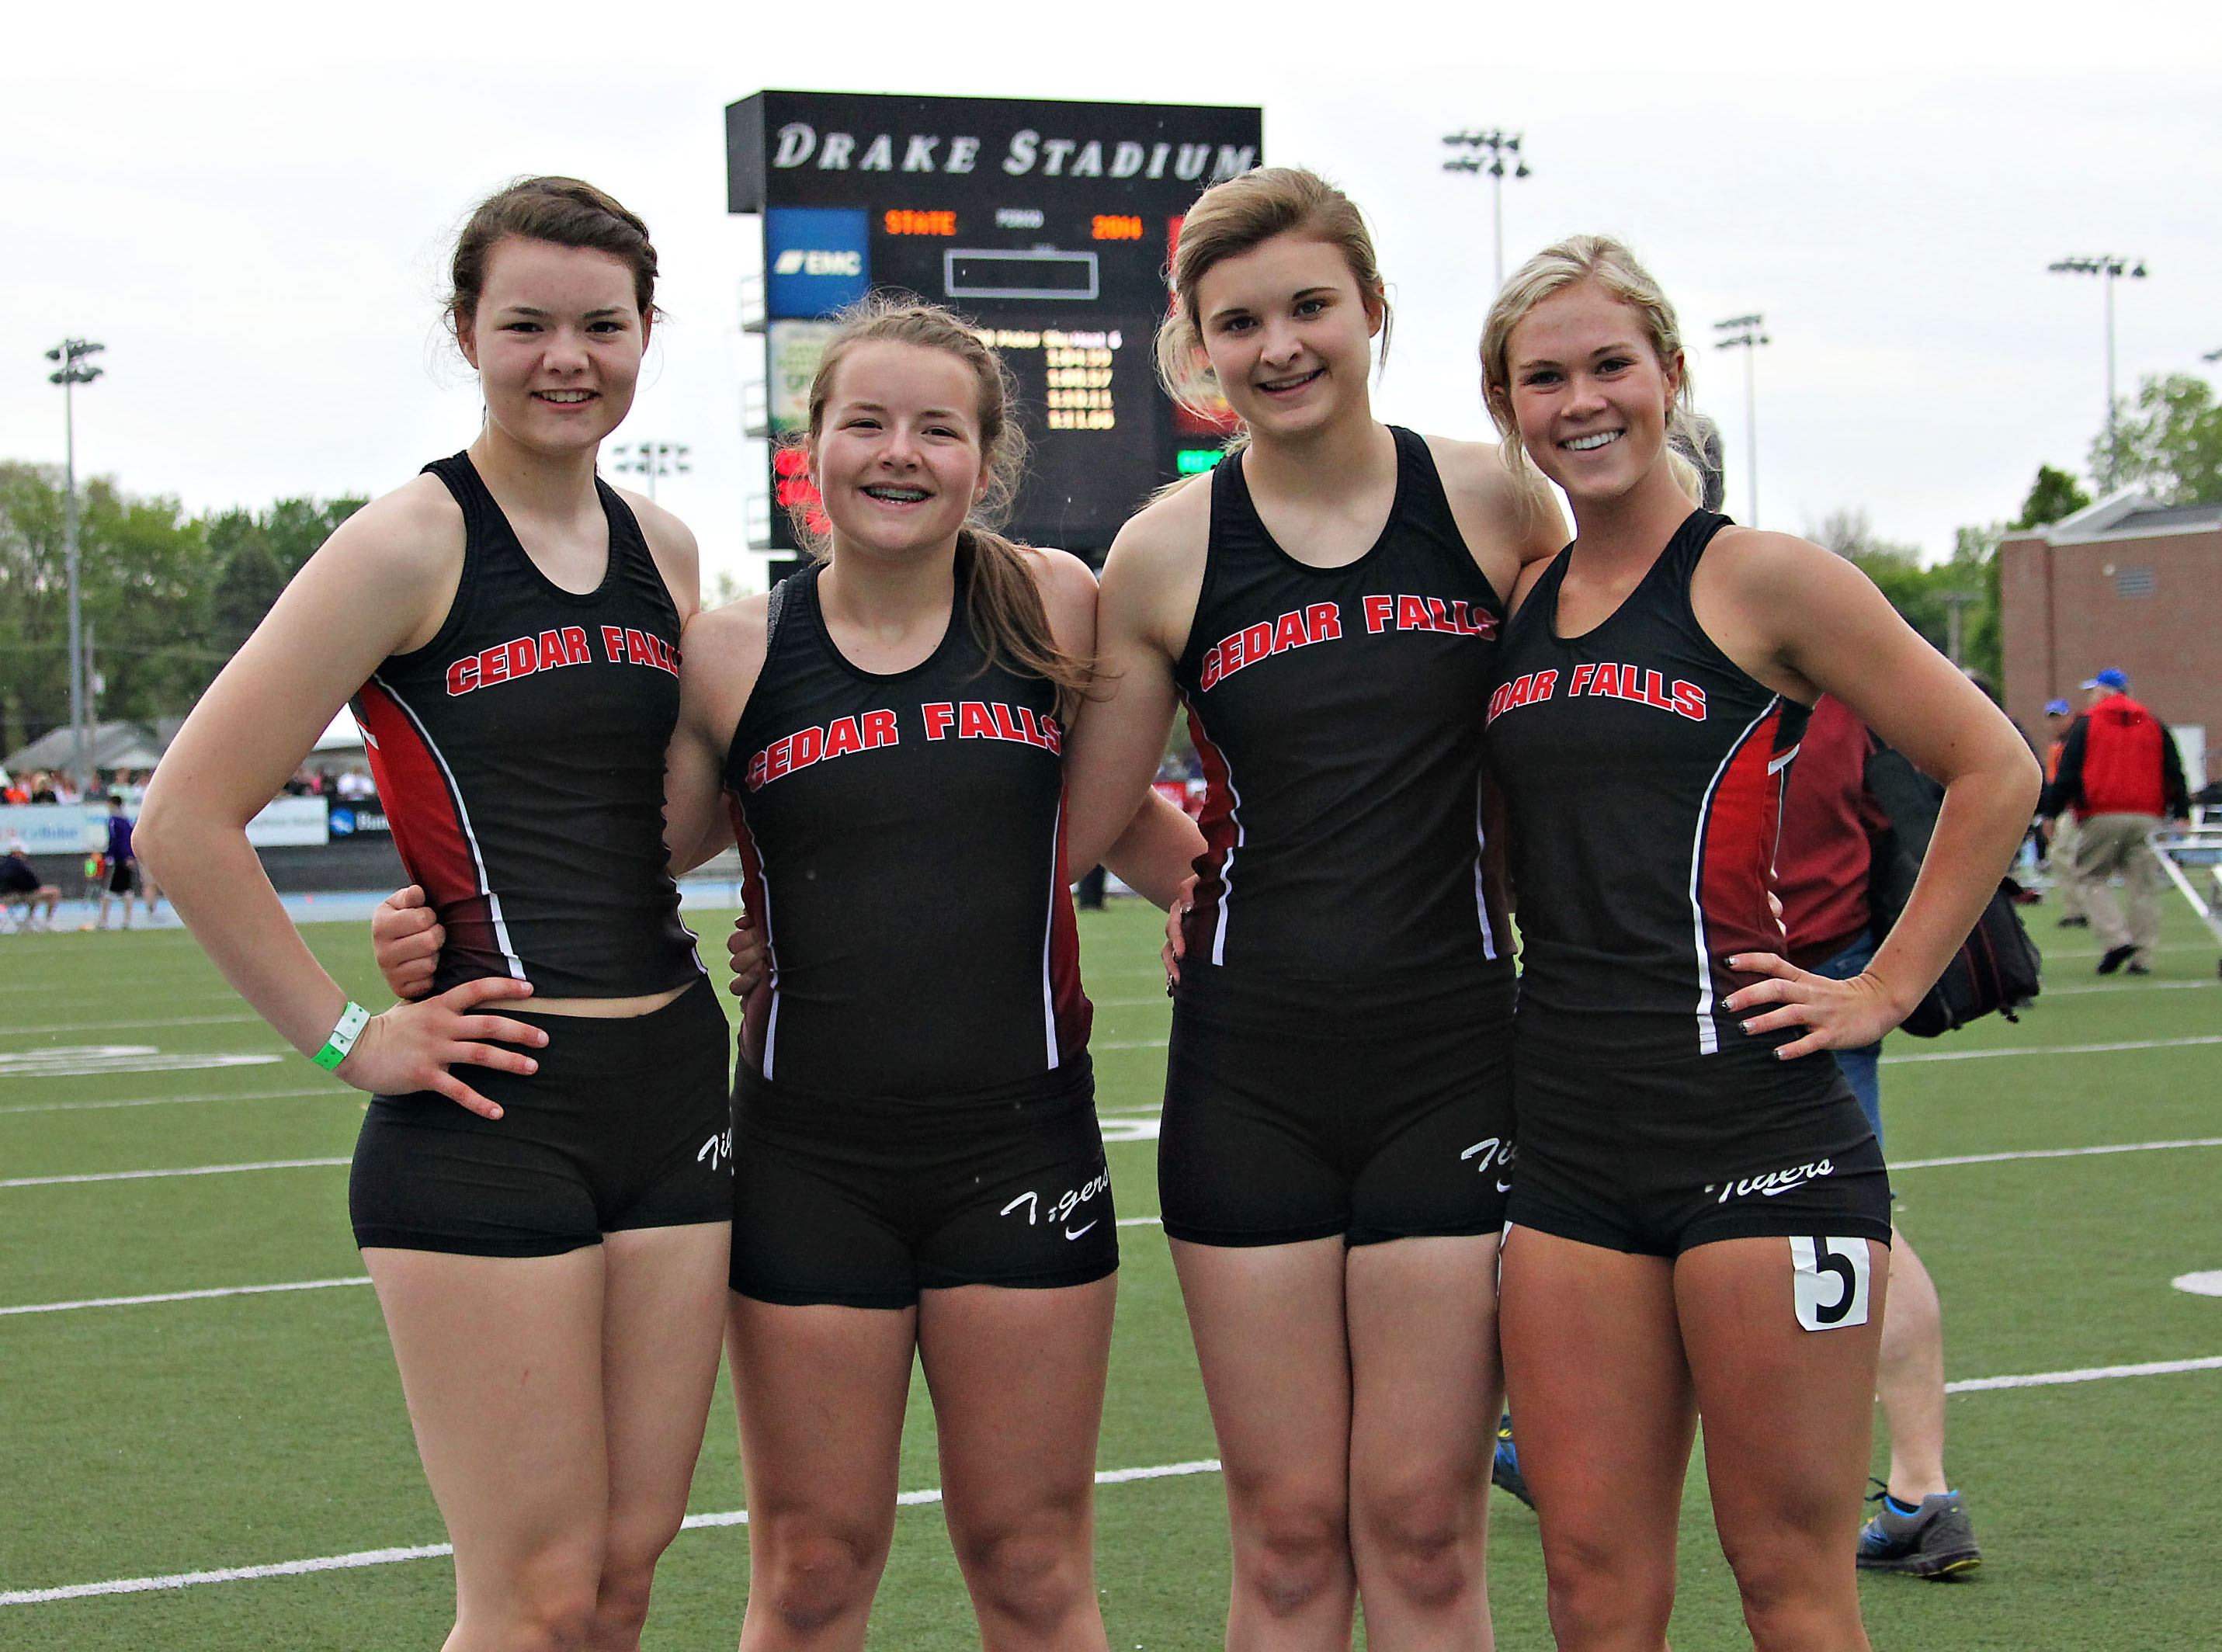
(2107, 266)
(1744, 333)
(75, 369)
(651, 460)
(1502, 147)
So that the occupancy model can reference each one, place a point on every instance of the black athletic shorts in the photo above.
(1657, 1157)
(1298, 1110)
(863, 1203)
(16, 878)
(625, 1125)
(120, 878)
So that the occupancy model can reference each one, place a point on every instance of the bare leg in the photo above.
(1269, 1334)
(820, 1390)
(1910, 1381)
(1606, 1412)
(1789, 1423)
(662, 1321)
(1425, 1388)
(1017, 1377)
(501, 1359)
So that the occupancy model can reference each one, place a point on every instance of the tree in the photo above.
(1919, 593)
(2169, 440)
(2053, 495)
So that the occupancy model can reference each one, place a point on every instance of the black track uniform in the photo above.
(519, 755)
(915, 1108)
(17, 877)
(1340, 1060)
(1644, 771)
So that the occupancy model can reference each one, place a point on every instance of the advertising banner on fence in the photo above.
(74, 829)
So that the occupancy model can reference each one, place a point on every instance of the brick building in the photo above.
(2126, 583)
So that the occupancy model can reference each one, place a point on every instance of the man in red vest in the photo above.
(2120, 773)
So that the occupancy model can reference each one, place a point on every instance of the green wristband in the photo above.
(352, 1020)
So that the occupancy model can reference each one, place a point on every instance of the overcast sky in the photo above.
(249, 204)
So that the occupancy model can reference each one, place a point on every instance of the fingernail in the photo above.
(1747, 1027)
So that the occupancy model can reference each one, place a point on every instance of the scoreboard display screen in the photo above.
(1047, 224)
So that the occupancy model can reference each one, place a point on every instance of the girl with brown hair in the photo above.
(548, 1241)
(1337, 1135)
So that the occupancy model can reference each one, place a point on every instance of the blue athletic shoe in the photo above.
(1936, 1540)
(1504, 1467)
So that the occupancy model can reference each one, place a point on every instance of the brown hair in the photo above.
(1002, 605)
(1613, 267)
(561, 211)
(1231, 219)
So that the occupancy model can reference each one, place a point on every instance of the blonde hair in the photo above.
(1234, 218)
(1611, 265)
(1003, 604)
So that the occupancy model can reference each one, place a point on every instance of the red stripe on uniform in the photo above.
(1221, 831)
(1741, 827)
(1074, 1015)
(427, 822)
(755, 1008)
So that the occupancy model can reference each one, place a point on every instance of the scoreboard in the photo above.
(1047, 224)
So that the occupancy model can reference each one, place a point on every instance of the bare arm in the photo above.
(1150, 582)
(1156, 854)
(1805, 622)
(381, 585)
(1510, 522)
(720, 655)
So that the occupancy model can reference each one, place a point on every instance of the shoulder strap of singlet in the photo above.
(480, 514)
(1690, 541)
(1420, 491)
(626, 533)
(1235, 518)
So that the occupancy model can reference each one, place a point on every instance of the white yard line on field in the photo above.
(156, 1175)
(181, 1295)
(2054, 1153)
(912, 1499)
(111, 1023)
(2055, 1049)
(333, 1089)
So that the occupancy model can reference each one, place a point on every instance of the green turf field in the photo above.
(239, 1431)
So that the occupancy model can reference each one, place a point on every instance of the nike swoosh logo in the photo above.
(1070, 1234)
(1505, 1187)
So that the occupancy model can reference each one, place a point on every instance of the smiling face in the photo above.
(557, 339)
(1287, 331)
(1589, 394)
(897, 453)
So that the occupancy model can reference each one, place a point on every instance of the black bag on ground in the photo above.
(1997, 967)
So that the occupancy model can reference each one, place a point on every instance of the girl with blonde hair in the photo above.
(1699, 1223)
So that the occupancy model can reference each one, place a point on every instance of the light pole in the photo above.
(651, 460)
(1743, 333)
(74, 370)
(1500, 146)
(2106, 267)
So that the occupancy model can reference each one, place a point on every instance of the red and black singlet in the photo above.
(1645, 771)
(519, 757)
(1338, 715)
(904, 845)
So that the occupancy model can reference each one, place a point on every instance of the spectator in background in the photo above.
(121, 865)
(1822, 866)
(2121, 774)
(2059, 863)
(19, 882)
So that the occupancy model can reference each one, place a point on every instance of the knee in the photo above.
(1291, 1550)
(812, 1573)
(1032, 1570)
(551, 1605)
(1598, 1589)
(1423, 1538)
(628, 1575)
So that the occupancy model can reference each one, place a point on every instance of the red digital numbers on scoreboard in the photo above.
(904, 221)
(1117, 228)
(792, 467)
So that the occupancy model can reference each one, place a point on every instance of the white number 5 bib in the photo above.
(1828, 1280)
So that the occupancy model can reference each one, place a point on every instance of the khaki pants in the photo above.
(2105, 845)
(2060, 861)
